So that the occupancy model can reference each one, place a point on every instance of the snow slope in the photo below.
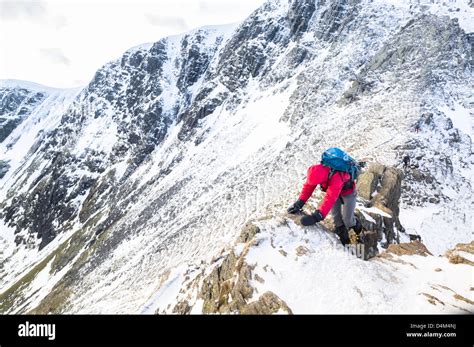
(312, 273)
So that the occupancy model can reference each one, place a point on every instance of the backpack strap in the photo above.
(347, 185)
(331, 173)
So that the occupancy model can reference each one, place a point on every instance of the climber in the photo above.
(406, 161)
(340, 188)
(419, 123)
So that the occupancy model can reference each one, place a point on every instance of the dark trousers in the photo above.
(344, 213)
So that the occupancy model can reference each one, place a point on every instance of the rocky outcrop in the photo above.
(268, 303)
(366, 185)
(16, 104)
(366, 246)
(4, 166)
(428, 38)
(456, 256)
(227, 288)
(380, 188)
(248, 232)
(411, 248)
(335, 18)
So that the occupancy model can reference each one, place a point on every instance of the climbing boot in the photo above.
(341, 232)
(358, 226)
(355, 233)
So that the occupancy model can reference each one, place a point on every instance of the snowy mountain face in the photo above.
(16, 105)
(109, 195)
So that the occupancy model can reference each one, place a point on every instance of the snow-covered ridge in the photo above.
(310, 272)
(225, 29)
(13, 83)
(461, 10)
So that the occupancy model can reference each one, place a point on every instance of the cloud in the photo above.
(55, 55)
(214, 6)
(60, 22)
(14, 9)
(177, 23)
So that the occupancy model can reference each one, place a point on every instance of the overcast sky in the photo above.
(61, 43)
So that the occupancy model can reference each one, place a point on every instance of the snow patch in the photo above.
(461, 116)
(329, 280)
(167, 293)
(440, 228)
(373, 210)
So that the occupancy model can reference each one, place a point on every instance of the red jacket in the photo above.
(319, 174)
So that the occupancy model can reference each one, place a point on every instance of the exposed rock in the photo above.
(366, 184)
(4, 166)
(457, 259)
(357, 87)
(462, 298)
(259, 279)
(301, 250)
(335, 18)
(248, 232)
(432, 299)
(359, 291)
(299, 16)
(216, 287)
(373, 222)
(182, 308)
(411, 248)
(417, 175)
(377, 169)
(454, 256)
(386, 183)
(227, 288)
(369, 240)
(16, 104)
(268, 303)
(389, 256)
(389, 193)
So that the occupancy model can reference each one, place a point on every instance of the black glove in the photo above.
(296, 207)
(313, 218)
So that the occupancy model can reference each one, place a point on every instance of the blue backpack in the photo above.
(338, 160)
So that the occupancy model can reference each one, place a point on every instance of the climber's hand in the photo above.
(314, 218)
(296, 207)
